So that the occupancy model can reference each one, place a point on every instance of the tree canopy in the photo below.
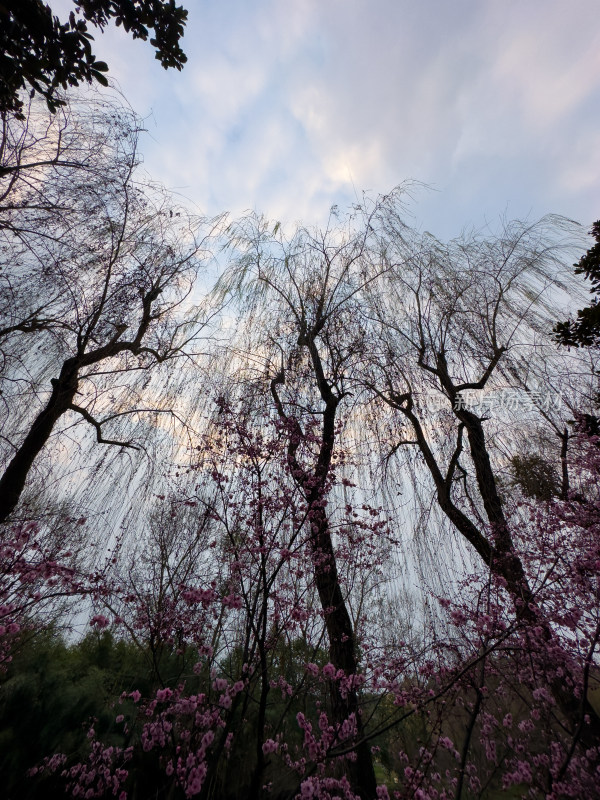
(40, 53)
(585, 330)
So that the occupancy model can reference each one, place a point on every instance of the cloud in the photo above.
(289, 108)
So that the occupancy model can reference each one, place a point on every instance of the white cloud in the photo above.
(287, 107)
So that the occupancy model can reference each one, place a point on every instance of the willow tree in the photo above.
(461, 343)
(97, 270)
(299, 343)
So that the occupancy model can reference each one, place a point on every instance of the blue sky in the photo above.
(290, 107)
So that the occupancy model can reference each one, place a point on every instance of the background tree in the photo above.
(535, 476)
(39, 53)
(585, 330)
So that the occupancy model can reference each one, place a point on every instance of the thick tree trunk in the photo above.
(499, 555)
(13, 480)
(342, 646)
(342, 653)
(506, 563)
(564, 465)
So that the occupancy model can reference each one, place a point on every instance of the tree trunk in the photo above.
(342, 653)
(564, 464)
(13, 480)
(507, 564)
(342, 648)
(499, 555)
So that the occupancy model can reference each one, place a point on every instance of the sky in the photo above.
(288, 108)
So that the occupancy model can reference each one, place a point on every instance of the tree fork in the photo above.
(500, 556)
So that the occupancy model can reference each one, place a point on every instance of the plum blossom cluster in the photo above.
(513, 677)
(29, 576)
(103, 774)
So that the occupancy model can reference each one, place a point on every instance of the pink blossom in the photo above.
(329, 671)
(100, 621)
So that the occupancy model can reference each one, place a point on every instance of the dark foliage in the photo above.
(39, 53)
(51, 695)
(536, 477)
(585, 330)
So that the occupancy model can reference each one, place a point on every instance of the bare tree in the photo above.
(97, 270)
(301, 338)
(453, 321)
